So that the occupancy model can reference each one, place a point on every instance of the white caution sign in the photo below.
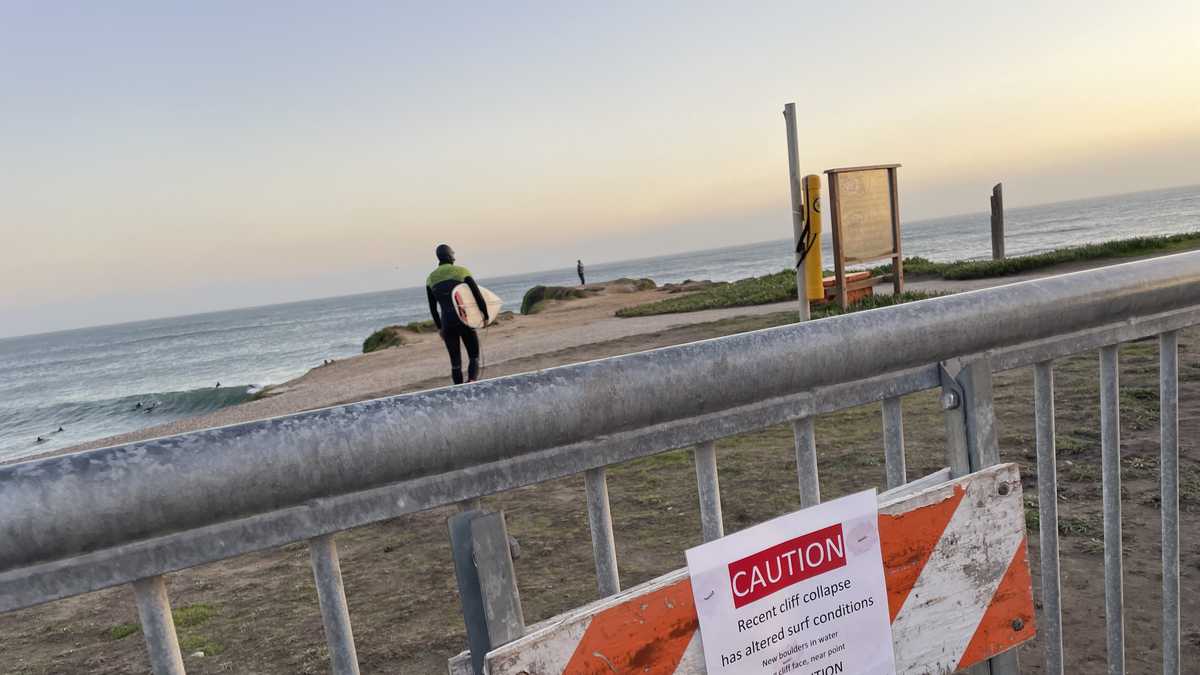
(803, 593)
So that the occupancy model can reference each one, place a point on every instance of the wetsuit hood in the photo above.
(445, 254)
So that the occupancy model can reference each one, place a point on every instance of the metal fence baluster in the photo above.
(972, 444)
(604, 548)
(709, 489)
(893, 442)
(335, 613)
(158, 627)
(806, 462)
(1110, 447)
(1047, 478)
(1168, 397)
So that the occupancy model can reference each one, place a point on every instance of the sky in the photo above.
(162, 158)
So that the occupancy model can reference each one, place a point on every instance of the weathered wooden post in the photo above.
(998, 222)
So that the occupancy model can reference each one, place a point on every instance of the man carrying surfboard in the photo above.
(439, 287)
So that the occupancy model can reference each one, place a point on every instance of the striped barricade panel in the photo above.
(959, 592)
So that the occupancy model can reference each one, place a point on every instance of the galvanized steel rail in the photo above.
(219, 493)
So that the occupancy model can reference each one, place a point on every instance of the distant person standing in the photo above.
(439, 288)
(579, 271)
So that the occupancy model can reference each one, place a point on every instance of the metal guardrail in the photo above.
(131, 513)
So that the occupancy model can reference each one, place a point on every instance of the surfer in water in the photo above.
(579, 271)
(439, 287)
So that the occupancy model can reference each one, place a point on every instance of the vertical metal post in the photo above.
(1047, 478)
(335, 614)
(469, 594)
(1168, 400)
(970, 417)
(893, 442)
(497, 579)
(998, 221)
(971, 445)
(806, 462)
(158, 627)
(604, 547)
(1110, 450)
(709, 489)
(957, 456)
(799, 238)
(487, 584)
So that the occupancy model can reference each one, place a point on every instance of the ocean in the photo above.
(96, 382)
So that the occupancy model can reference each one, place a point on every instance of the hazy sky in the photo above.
(161, 158)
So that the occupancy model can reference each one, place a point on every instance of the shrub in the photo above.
(916, 266)
(383, 339)
(642, 284)
(536, 297)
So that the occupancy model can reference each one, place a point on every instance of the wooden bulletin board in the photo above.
(864, 212)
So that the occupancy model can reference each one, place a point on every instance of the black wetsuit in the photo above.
(579, 271)
(438, 288)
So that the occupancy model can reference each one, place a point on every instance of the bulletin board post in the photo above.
(864, 215)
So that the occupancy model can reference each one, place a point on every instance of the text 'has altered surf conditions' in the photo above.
(803, 593)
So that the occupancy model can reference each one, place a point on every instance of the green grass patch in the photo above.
(762, 290)
(771, 288)
(981, 269)
(1033, 516)
(190, 644)
(535, 298)
(426, 326)
(384, 338)
(123, 630)
(190, 616)
(872, 302)
(1071, 444)
(1079, 527)
(914, 266)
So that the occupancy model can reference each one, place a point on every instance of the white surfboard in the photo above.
(468, 311)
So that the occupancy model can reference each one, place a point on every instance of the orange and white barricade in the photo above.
(959, 592)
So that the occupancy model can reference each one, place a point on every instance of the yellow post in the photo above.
(812, 264)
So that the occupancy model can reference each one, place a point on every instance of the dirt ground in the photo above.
(258, 613)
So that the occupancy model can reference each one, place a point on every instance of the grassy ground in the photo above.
(763, 290)
(980, 269)
(781, 286)
(265, 619)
